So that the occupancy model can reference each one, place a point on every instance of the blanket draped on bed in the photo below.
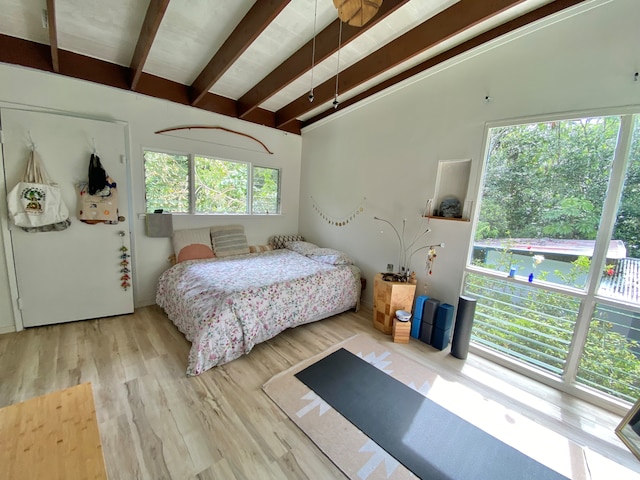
(225, 306)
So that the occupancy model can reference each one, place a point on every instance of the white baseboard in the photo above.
(7, 329)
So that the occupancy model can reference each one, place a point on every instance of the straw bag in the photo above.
(35, 204)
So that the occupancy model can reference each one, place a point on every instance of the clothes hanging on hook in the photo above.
(97, 175)
(98, 197)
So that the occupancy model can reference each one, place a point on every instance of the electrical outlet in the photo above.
(390, 267)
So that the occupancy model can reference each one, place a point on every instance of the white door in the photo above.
(74, 274)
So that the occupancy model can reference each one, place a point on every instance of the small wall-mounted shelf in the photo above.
(452, 182)
(447, 218)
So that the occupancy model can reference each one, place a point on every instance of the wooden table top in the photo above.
(54, 436)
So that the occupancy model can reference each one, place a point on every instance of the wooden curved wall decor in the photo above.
(213, 127)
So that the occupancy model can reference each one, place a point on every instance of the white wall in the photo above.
(388, 150)
(145, 115)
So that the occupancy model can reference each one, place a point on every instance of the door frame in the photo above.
(5, 226)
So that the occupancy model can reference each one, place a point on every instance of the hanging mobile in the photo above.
(124, 263)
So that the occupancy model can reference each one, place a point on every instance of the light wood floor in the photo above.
(157, 423)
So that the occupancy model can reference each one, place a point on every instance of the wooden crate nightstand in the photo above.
(387, 298)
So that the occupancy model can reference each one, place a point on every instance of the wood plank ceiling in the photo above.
(253, 59)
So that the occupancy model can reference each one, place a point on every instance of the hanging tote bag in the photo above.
(101, 207)
(98, 198)
(35, 204)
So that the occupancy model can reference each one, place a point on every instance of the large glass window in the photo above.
(166, 178)
(220, 186)
(555, 266)
(544, 190)
(266, 188)
(187, 183)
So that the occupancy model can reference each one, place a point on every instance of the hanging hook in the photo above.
(33, 145)
(93, 142)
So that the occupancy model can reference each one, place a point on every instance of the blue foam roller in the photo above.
(417, 316)
(444, 316)
(440, 338)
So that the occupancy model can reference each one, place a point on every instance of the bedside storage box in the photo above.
(401, 331)
(389, 297)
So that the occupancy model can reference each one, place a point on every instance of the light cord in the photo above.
(335, 98)
(313, 49)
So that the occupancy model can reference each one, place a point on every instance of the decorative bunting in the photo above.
(339, 221)
(124, 263)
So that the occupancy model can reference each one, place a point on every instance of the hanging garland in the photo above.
(431, 258)
(125, 279)
(341, 221)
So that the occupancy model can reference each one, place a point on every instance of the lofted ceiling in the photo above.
(252, 59)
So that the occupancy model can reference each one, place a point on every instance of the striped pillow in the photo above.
(229, 240)
(260, 248)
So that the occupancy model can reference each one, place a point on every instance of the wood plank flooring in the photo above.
(157, 423)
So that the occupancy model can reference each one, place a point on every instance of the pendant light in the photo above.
(357, 12)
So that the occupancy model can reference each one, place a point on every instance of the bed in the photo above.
(225, 306)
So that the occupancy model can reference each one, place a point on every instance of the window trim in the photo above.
(191, 183)
(588, 295)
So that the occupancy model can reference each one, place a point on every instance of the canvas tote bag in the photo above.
(35, 204)
(98, 198)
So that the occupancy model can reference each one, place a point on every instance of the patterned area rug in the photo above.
(361, 458)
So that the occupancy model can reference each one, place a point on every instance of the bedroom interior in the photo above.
(394, 146)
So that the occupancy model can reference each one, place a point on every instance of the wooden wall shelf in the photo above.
(448, 218)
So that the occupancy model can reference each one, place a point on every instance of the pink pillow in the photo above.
(195, 251)
(192, 244)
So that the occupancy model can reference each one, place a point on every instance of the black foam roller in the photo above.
(463, 326)
(428, 319)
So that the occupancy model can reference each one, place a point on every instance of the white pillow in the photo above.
(330, 256)
(303, 248)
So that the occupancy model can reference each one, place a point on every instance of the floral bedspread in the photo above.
(225, 306)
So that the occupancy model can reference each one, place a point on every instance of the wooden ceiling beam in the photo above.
(300, 62)
(17, 51)
(53, 35)
(152, 20)
(454, 20)
(250, 27)
(526, 19)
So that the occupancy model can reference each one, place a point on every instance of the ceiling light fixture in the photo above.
(357, 12)
(313, 49)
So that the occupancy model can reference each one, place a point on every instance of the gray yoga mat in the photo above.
(426, 438)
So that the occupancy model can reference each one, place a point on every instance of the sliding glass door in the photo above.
(555, 264)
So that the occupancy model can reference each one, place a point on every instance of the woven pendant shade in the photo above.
(357, 12)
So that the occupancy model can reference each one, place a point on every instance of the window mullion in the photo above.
(250, 190)
(603, 239)
(192, 184)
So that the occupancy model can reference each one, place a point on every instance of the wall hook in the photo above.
(33, 145)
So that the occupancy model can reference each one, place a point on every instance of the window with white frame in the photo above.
(198, 184)
(555, 264)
